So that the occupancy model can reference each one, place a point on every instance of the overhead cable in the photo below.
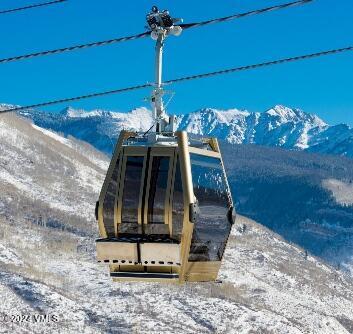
(241, 15)
(74, 47)
(147, 33)
(265, 64)
(42, 4)
(76, 98)
(191, 77)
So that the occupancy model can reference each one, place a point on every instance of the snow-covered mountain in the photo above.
(279, 126)
(49, 185)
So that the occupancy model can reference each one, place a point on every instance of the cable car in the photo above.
(165, 210)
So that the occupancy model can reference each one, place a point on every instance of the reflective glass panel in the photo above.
(178, 205)
(157, 190)
(109, 202)
(131, 194)
(212, 228)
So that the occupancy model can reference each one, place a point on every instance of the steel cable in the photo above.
(253, 66)
(74, 47)
(191, 77)
(241, 15)
(5, 11)
(147, 33)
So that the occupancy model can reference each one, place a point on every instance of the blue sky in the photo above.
(323, 86)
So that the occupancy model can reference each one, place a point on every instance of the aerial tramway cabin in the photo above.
(165, 211)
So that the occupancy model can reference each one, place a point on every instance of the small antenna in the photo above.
(162, 25)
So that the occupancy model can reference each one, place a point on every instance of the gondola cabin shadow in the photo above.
(165, 211)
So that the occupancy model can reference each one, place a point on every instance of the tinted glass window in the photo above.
(178, 205)
(131, 195)
(157, 191)
(109, 202)
(212, 228)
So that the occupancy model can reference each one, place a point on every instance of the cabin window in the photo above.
(158, 189)
(212, 228)
(131, 195)
(109, 202)
(178, 205)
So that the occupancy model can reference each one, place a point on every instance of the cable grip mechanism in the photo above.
(162, 25)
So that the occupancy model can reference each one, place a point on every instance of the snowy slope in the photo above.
(279, 126)
(47, 260)
(43, 168)
(268, 286)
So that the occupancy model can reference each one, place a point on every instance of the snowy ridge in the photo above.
(279, 126)
(29, 158)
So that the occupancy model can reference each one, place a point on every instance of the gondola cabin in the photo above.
(165, 211)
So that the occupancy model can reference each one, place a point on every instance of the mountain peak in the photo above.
(286, 114)
(283, 112)
(81, 113)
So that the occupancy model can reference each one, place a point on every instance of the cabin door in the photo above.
(144, 191)
(156, 205)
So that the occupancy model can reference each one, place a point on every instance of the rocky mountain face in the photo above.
(49, 185)
(279, 126)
